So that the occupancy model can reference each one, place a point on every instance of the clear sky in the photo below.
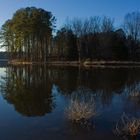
(62, 9)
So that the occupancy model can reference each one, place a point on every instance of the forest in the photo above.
(31, 35)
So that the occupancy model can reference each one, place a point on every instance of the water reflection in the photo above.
(45, 92)
(29, 88)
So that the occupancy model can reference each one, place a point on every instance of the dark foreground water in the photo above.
(33, 101)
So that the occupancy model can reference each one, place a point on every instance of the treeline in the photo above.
(96, 38)
(28, 36)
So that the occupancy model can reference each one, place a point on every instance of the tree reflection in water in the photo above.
(29, 88)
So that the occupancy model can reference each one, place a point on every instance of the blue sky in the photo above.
(62, 9)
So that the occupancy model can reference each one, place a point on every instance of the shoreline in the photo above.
(76, 63)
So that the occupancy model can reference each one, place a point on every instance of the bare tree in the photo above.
(107, 24)
(132, 25)
(82, 28)
(94, 24)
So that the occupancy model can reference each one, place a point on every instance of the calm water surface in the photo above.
(33, 101)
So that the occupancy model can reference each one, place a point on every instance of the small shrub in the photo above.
(81, 107)
(128, 126)
(134, 94)
(80, 110)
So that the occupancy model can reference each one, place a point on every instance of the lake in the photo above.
(34, 99)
